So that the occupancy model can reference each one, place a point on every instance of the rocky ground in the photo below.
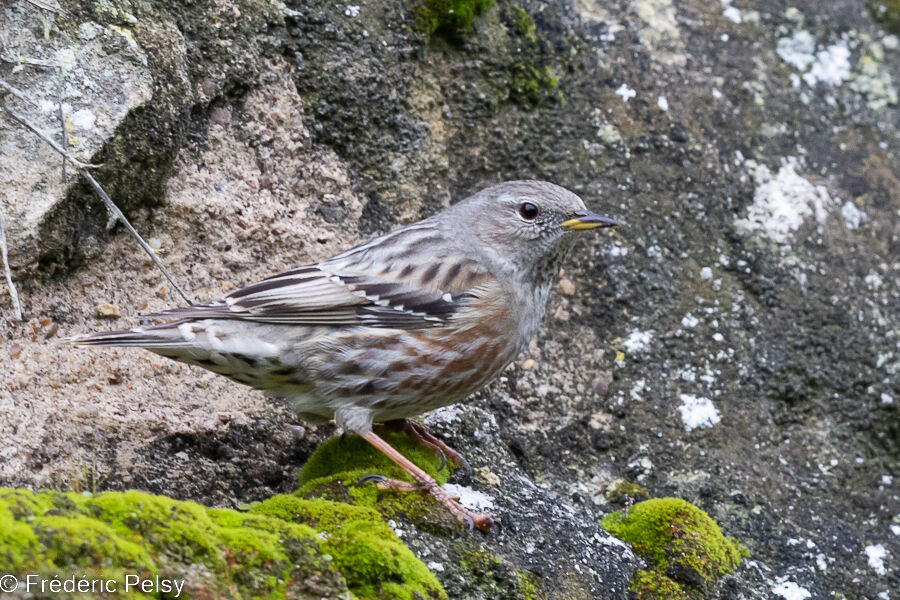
(735, 343)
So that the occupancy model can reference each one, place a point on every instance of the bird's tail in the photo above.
(158, 336)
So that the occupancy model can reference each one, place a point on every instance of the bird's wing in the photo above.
(347, 292)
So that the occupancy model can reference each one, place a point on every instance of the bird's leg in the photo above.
(423, 483)
(423, 437)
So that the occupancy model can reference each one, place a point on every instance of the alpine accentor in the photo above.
(413, 320)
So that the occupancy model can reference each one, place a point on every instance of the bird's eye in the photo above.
(528, 211)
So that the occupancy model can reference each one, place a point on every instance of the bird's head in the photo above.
(527, 226)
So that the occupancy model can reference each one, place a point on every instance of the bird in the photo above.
(410, 321)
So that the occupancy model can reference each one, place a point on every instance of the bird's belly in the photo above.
(398, 373)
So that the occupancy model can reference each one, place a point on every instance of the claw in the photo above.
(486, 523)
(373, 477)
(464, 464)
(469, 521)
(440, 454)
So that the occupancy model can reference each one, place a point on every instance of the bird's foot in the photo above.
(423, 437)
(472, 519)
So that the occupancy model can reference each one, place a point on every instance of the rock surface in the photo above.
(736, 343)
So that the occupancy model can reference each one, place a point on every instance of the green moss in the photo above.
(685, 548)
(284, 544)
(337, 465)
(329, 539)
(525, 586)
(350, 457)
(524, 23)
(653, 584)
(451, 17)
(532, 84)
(886, 12)
(532, 71)
(374, 562)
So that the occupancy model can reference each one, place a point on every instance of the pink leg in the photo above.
(424, 483)
(423, 437)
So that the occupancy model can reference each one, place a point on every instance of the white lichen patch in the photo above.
(832, 65)
(471, 499)
(625, 92)
(797, 50)
(637, 341)
(84, 119)
(732, 13)
(689, 321)
(782, 202)
(791, 591)
(829, 65)
(852, 215)
(697, 411)
(876, 554)
(606, 131)
(637, 390)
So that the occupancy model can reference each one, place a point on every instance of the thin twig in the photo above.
(23, 121)
(6, 270)
(62, 120)
(17, 93)
(83, 168)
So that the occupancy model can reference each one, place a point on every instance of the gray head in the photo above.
(522, 226)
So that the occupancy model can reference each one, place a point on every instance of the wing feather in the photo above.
(346, 291)
(326, 299)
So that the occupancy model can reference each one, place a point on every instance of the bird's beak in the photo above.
(587, 220)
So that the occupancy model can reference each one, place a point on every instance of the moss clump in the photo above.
(685, 548)
(524, 23)
(373, 561)
(217, 552)
(329, 539)
(532, 76)
(653, 584)
(451, 17)
(337, 465)
(350, 457)
(886, 12)
(286, 546)
(532, 84)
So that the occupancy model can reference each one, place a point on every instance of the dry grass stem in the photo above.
(6, 270)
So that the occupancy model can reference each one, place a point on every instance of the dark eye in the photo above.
(528, 211)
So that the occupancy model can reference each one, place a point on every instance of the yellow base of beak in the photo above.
(577, 225)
